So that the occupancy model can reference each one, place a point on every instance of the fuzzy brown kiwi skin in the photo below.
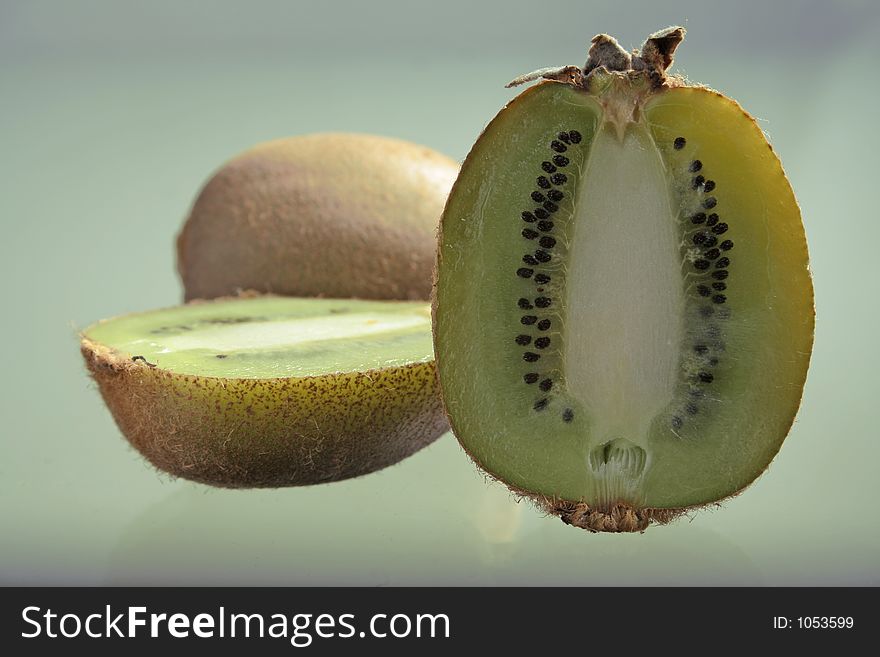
(267, 433)
(339, 215)
(620, 516)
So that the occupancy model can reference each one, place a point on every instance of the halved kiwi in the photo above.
(270, 391)
(342, 215)
(623, 307)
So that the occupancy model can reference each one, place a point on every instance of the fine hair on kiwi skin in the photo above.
(230, 428)
(342, 215)
(613, 379)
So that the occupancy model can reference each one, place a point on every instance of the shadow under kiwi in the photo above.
(432, 519)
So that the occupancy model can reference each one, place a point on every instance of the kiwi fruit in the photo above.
(337, 215)
(623, 311)
(270, 391)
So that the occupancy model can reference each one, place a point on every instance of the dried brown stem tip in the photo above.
(606, 53)
(616, 519)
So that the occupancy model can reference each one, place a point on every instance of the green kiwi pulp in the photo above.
(270, 391)
(623, 310)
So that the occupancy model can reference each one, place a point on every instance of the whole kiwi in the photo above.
(332, 214)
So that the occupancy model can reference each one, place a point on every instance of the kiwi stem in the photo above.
(607, 54)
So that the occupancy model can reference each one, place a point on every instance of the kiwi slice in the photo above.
(624, 310)
(342, 215)
(270, 391)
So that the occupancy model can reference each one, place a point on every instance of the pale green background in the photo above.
(113, 113)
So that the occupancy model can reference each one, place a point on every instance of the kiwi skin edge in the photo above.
(266, 433)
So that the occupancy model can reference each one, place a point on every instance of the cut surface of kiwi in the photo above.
(342, 215)
(270, 391)
(623, 309)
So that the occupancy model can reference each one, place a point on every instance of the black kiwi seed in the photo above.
(558, 178)
(710, 203)
(530, 234)
(541, 279)
(529, 259)
(531, 377)
(542, 343)
(221, 356)
(541, 404)
(544, 324)
(709, 186)
(525, 272)
(726, 245)
(543, 302)
(699, 238)
(542, 256)
(531, 357)
(701, 349)
(676, 422)
(547, 242)
(696, 165)
(548, 167)
(711, 240)
(699, 180)
(550, 206)
(722, 263)
(528, 217)
(720, 275)
(528, 320)
(542, 182)
(712, 220)
(719, 298)
(703, 290)
(563, 136)
(523, 340)
(719, 229)
(706, 377)
(555, 195)
(545, 385)
(558, 146)
(560, 160)
(699, 218)
(541, 213)
(702, 264)
(575, 136)
(720, 286)
(567, 415)
(711, 254)
(538, 197)
(524, 303)
(679, 143)
(545, 226)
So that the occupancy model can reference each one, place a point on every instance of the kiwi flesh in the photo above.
(341, 215)
(623, 312)
(270, 391)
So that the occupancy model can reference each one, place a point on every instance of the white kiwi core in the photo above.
(624, 309)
